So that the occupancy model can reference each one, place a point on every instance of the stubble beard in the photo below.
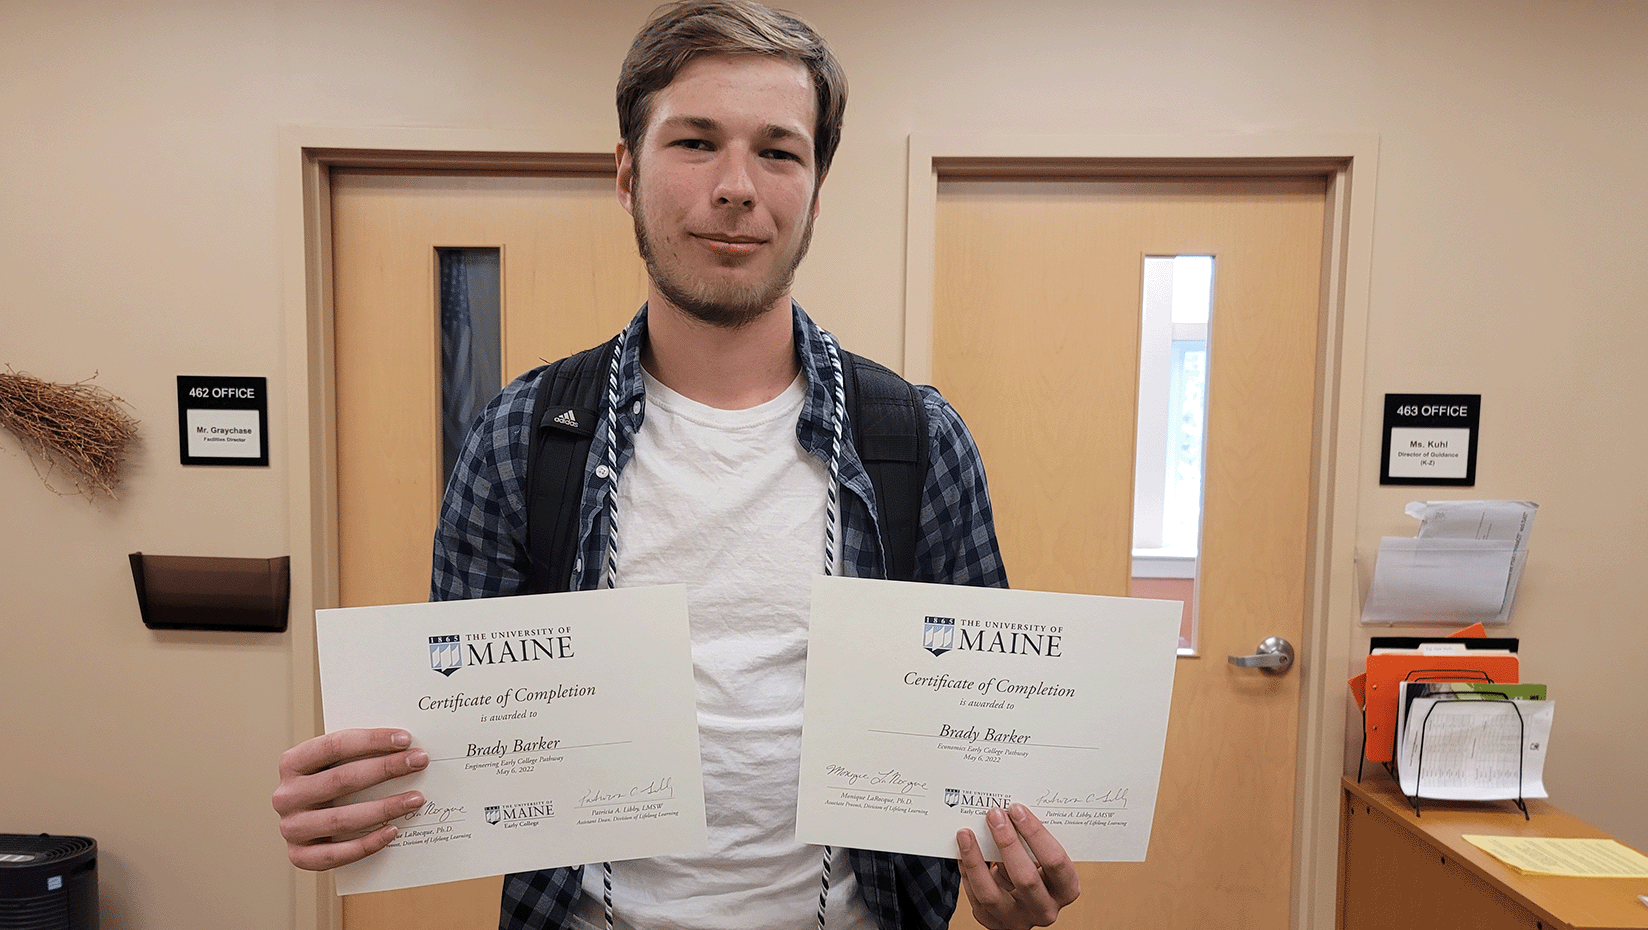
(725, 306)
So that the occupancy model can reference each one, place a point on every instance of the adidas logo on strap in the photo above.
(568, 418)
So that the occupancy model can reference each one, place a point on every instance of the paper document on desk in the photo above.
(1577, 857)
(1451, 747)
(1463, 566)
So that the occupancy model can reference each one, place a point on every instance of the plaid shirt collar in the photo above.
(625, 411)
(815, 430)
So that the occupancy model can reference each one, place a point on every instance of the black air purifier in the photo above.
(47, 882)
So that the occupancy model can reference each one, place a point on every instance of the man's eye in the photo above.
(781, 154)
(694, 144)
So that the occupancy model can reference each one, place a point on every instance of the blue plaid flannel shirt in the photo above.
(480, 551)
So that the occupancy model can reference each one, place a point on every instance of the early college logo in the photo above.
(975, 802)
(938, 635)
(445, 654)
(529, 814)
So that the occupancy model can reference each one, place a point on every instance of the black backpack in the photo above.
(889, 432)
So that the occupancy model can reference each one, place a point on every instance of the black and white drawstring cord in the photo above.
(609, 567)
(832, 505)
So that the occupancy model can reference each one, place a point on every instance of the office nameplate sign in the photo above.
(1430, 439)
(223, 421)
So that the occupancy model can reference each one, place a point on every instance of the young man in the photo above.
(721, 460)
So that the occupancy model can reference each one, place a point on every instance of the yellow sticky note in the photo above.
(1590, 858)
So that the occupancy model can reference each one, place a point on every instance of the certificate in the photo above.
(929, 705)
(561, 729)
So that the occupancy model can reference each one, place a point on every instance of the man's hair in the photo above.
(680, 32)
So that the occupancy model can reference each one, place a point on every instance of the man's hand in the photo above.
(1018, 892)
(317, 772)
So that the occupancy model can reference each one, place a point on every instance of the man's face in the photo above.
(723, 191)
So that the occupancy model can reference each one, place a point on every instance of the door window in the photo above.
(1175, 310)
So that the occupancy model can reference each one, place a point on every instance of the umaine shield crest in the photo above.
(492, 814)
(939, 635)
(445, 654)
(952, 796)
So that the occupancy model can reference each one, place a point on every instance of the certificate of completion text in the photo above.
(928, 705)
(561, 729)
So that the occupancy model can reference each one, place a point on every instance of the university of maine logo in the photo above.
(975, 802)
(527, 814)
(445, 654)
(938, 635)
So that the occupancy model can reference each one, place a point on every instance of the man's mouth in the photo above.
(728, 244)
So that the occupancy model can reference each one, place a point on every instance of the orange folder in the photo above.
(1387, 672)
(1359, 684)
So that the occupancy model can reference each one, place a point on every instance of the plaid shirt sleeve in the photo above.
(956, 545)
(957, 541)
(480, 539)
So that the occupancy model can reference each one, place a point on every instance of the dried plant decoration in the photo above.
(79, 428)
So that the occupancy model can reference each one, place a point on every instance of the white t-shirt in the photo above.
(727, 502)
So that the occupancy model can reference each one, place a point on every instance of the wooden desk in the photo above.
(1397, 870)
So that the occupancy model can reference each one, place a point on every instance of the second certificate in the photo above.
(929, 705)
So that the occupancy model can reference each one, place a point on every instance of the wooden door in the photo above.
(570, 278)
(1036, 342)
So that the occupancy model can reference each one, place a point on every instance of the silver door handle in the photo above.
(1274, 655)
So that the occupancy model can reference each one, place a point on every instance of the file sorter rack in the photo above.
(1419, 763)
(1446, 675)
(1429, 674)
(1392, 659)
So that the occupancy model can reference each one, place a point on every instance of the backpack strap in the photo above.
(565, 406)
(890, 434)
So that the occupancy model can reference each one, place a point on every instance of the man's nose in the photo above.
(734, 186)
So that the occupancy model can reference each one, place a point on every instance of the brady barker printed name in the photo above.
(987, 734)
(503, 748)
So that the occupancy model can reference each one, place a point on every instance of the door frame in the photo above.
(306, 156)
(1349, 165)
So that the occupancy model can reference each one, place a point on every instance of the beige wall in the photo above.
(140, 239)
